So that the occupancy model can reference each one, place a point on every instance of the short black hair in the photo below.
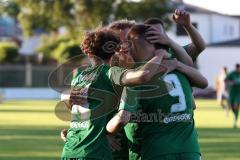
(121, 24)
(137, 30)
(140, 30)
(154, 20)
(101, 43)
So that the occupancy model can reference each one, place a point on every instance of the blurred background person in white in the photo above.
(221, 89)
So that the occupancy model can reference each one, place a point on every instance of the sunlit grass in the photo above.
(30, 130)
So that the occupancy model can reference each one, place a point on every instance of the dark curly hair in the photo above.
(102, 43)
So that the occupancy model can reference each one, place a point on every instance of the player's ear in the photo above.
(173, 17)
(175, 12)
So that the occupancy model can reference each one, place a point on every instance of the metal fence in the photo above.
(25, 75)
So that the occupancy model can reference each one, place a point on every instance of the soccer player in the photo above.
(181, 17)
(97, 91)
(221, 91)
(118, 142)
(233, 83)
(195, 47)
(173, 132)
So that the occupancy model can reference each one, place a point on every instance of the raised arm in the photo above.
(182, 17)
(193, 75)
(181, 53)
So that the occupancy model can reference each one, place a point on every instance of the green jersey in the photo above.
(135, 131)
(87, 139)
(165, 124)
(234, 90)
(76, 77)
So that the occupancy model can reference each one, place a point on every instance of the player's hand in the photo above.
(74, 97)
(162, 70)
(170, 64)
(114, 143)
(162, 53)
(181, 17)
(77, 96)
(63, 134)
(153, 35)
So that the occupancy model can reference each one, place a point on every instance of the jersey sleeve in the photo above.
(129, 100)
(115, 74)
(172, 54)
(185, 47)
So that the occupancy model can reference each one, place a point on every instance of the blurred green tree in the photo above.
(84, 14)
(142, 9)
(10, 8)
(9, 52)
(76, 16)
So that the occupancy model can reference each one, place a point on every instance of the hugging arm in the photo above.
(138, 76)
(118, 121)
(181, 54)
(193, 75)
(127, 107)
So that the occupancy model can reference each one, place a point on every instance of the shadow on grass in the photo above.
(30, 158)
(44, 143)
(30, 142)
(219, 143)
(27, 111)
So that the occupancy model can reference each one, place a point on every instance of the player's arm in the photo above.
(127, 107)
(138, 76)
(118, 121)
(63, 134)
(193, 75)
(181, 53)
(182, 17)
(155, 36)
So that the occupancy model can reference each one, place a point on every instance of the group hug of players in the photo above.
(147, 78)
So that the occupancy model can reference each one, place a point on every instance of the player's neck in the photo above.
(107, 62)
(95, 61)
(144, 55)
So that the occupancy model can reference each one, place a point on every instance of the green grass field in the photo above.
(29, 130)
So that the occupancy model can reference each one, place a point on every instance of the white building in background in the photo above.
(29, 45)
(222, 35)
(217, 55)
